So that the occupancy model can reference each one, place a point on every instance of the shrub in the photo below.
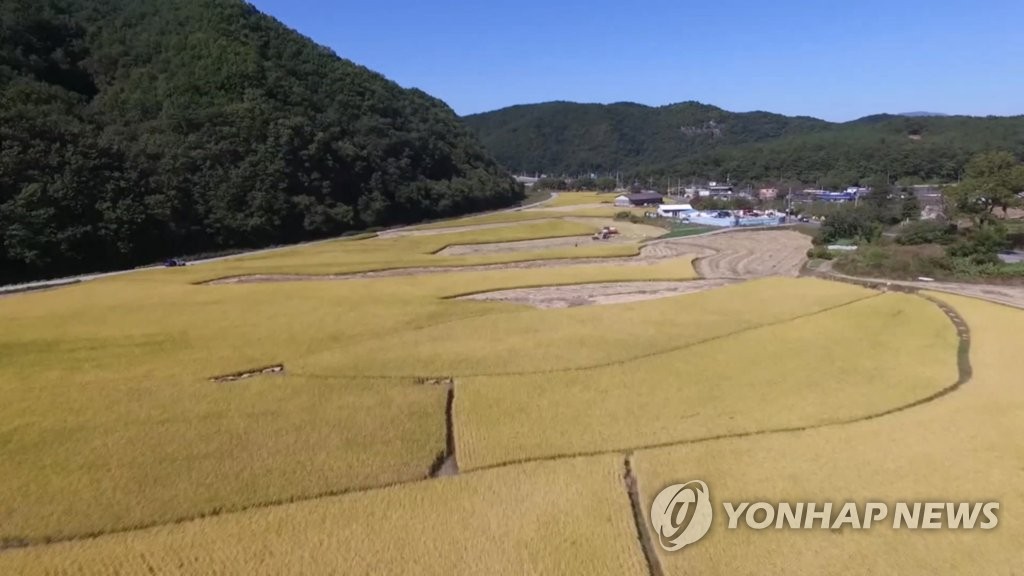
(926, 232)
(981, 245)
(820, 252)
(849, 222)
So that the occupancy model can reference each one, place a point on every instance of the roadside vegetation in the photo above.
(963, 244)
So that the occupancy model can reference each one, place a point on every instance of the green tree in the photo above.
(605, 184)
(910, 206)
(993, 181)
(133, 130)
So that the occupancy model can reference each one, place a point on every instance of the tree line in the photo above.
(693, 140)
(133, 130)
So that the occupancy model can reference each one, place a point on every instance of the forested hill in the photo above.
(132, 130)
(697, 140)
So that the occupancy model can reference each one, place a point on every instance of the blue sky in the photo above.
(833, 60)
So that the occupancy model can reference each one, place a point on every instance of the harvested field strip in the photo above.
(691, 398)
(593, 294)
(569, 517)
(964, 369)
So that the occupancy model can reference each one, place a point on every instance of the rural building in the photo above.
(811, 195)
(928, 196)
(647, 198)
(622, 201)
(768, 193)
(675, 210)
(720, 191)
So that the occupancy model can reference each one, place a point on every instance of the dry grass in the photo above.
(803, 372)
(964, 447)
(570, 517)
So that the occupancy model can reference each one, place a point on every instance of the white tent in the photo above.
(623, 201)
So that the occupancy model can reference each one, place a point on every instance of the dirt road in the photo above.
(1007, 295)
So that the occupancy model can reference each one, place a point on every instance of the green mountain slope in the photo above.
(131, 130)
(697, 140)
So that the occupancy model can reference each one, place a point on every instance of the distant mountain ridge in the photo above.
(923, 114)
(692, 139)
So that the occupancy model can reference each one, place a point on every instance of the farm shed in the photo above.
(644, 198)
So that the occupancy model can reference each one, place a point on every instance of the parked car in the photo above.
(174, 263)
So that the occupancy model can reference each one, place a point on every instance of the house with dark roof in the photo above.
(646, 198)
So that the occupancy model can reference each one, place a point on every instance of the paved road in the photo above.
(69, 280)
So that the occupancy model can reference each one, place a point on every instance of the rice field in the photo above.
(709, 386)
(964, 447)
(119, 453)
(569, 517)
(544, 212)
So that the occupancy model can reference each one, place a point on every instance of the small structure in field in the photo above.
(622, 201)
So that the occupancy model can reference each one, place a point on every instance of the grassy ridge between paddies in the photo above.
(108, 419)
(568, 517)
(967, 446)
(834, 366)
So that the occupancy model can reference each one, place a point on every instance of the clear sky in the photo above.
(833, 60)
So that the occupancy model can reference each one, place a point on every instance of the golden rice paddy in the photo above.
(116, 443)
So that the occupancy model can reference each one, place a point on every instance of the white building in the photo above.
(622, 201)
(675, 210)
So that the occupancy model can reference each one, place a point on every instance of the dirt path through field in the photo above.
(1007, 295)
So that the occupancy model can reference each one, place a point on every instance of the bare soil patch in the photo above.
(596, 294)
